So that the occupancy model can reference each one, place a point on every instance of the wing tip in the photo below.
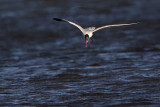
(135, 23)
(57, 19)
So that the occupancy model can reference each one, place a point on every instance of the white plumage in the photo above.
(88, 32)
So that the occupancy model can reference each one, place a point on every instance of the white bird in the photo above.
(88, 32)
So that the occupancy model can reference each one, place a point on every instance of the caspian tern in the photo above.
(88, 32)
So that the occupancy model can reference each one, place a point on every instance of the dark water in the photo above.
(43, 63)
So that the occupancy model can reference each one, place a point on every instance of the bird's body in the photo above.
(88, 32)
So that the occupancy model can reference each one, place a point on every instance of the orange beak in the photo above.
(86, 43)
(86, 39)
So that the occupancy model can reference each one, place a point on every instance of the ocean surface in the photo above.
(45, 63)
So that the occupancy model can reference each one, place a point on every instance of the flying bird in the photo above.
(88, 32)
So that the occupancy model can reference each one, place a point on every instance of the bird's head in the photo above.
(86, 39)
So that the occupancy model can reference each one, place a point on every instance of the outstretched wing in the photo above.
(57, 19)
(115, 25)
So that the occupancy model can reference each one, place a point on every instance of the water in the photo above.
(42, 66)
(86, 77)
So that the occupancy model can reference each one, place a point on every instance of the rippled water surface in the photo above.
(43, 63)
(86, 77)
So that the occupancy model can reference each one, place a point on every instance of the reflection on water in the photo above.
(43, 63)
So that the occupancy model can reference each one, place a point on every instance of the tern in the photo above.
(88, 32)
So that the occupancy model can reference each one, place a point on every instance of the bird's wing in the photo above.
(57, 19)
(114, 25)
